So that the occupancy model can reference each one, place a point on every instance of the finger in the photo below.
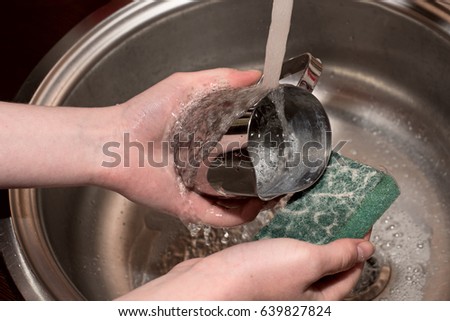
(229, 77)
(185, 265)
(210, 212)
(246, 213)
(221, 77)
(336, 287)
(181, 85)
(343, 254)
(238, 78)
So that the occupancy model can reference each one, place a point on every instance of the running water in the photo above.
(276, 42)
(269, 171)
(206, 119)
(202, 124)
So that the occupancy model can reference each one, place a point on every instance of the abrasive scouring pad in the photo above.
(345, 202)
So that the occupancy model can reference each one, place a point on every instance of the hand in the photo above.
(148, 118)
(68, 146)
(275, 269)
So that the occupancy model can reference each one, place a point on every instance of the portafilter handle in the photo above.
(302, 71)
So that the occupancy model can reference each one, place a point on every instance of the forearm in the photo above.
(52, 146)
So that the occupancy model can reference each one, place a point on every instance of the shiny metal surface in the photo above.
(385, 88)
(259, 137)
(311, 143)
(20, 269)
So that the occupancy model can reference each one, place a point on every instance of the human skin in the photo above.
(275, 269)
(64, 146)
(48, 147)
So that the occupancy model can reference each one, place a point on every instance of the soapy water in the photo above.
(401, 243)
(405, 245)
(398, 269)
(200, 240)
(275, 146)
(202, 124)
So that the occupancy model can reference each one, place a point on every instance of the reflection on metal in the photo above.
(435, 13)
(20, 269)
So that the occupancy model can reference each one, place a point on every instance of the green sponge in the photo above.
(345, 202)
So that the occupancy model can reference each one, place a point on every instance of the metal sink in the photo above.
(385, 87)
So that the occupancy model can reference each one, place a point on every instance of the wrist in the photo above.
(103, 157)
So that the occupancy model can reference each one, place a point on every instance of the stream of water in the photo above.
(221, 108)
(276, 42)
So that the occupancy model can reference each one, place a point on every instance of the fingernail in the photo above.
(365, 251)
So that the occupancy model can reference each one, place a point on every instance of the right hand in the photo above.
(273, 269)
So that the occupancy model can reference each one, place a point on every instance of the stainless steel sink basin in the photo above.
(386, 88)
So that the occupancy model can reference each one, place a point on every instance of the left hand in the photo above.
(149, 117)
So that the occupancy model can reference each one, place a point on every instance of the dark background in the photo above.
(28, 30)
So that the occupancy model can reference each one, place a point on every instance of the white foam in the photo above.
(405, 244)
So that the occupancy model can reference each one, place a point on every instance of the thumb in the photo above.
(341, 260)
(342, 255)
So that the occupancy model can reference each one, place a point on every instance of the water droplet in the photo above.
(194, 229)
(206, 234)
(225, 238)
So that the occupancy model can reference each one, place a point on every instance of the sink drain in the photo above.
(373, 281)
